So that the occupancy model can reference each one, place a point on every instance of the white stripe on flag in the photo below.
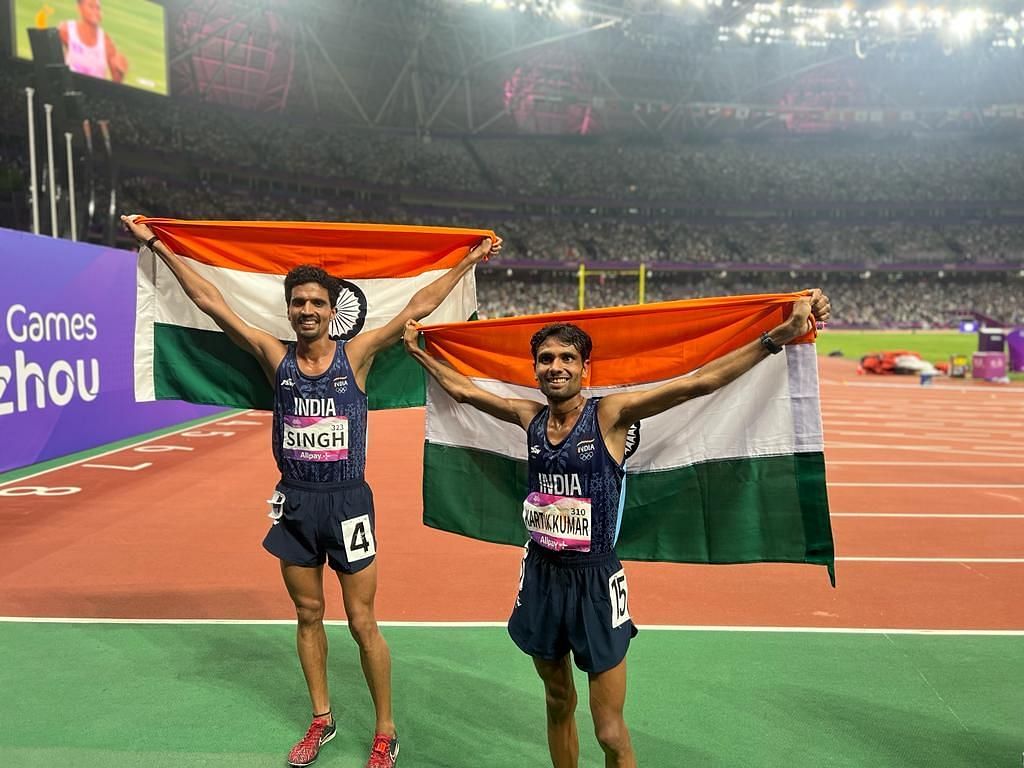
(145, 310)
(771, 410)
(259, 298)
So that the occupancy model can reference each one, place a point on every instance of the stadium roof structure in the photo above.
(563, 67)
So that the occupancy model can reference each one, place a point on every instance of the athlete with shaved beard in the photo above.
(323, 506)
(572, 591)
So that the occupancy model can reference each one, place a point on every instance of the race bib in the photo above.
(315, 438)
(618, 595)
(357, 535)
(558, 522)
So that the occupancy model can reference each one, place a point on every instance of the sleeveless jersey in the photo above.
(86, 59)
(576, 488)
(319, 422)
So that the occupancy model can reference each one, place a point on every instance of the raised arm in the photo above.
(618, 412)
(362, 349)
(116, 61)
(268, 350)
(462, 390)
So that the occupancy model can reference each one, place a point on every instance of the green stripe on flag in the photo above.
(474, 493)
(716, 512)
(206, 367)
(395, 380)
(730, 511)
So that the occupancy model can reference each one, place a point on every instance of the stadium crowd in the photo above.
(599, 240)
(200, 161)
(878, 170)
(897, 300)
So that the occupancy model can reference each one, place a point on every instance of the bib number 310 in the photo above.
(618, 593)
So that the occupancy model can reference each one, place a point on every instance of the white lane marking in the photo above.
(128, 447)
(502, 625)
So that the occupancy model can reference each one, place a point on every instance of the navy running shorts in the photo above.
(324, 522)
(580, 605)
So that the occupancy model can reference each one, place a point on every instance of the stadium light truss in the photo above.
(780, 23)
(813, 25)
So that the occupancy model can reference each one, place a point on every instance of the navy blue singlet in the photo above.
(576, 488)
(319, 422)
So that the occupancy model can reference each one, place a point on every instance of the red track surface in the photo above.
(181, 538)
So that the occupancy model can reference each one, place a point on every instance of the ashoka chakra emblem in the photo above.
(350, 312)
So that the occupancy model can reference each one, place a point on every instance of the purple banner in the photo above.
(67, 324)
(1015, 343)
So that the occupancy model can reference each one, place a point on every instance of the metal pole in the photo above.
(29, 92)
(71, 186)
(49, 161)
(643, 282)
(581, 290)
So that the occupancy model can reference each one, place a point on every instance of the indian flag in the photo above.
(181, 354)
(737, 476)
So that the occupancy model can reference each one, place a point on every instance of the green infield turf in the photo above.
(104, 696)
(135, 26)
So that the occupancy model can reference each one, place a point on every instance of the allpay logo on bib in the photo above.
(558, 522)
(315, 438)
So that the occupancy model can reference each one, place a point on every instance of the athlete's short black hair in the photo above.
(308, 273)
(567, 333)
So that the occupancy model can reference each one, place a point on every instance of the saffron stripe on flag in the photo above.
(348, 250)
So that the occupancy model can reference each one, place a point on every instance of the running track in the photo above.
(926, 486)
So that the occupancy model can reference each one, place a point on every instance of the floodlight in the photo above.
(963, 24)
(569, 10)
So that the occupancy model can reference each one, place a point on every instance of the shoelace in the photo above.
(312, 738)
(380, 753)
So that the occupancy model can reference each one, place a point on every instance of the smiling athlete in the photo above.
(323, 505)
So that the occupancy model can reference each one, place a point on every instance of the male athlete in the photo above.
(572, 592)
(88, 50)
(323, 506)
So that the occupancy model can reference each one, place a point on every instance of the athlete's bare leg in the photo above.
(358, 591)
(607, 698)
(306, 588)
(560, 698)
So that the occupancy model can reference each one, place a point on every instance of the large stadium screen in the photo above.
(118, 40)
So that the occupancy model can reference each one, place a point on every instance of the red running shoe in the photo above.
(384, 752)
(308, 747)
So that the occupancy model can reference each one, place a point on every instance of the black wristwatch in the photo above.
(768, 343)
(153, 239)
